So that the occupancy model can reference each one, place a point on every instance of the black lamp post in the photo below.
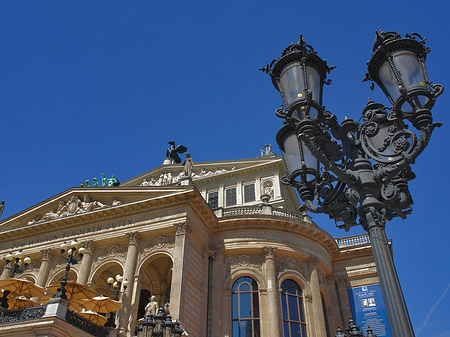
(15, 261)
(116, 285)
(72, 250)
(358, 173)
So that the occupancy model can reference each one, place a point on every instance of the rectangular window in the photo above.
(213, 199)
(230, 196)
(249, 193)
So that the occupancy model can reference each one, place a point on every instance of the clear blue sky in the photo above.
(101, 86)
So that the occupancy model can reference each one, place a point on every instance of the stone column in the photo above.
(272, 291)
(178, 275)
(343, 297)
(319, 320)
(124, 314)
(86, 262)
(335, 311)
(44, 269)
(217, 293)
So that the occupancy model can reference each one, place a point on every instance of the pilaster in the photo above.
(86, 262)
(272, 293)
(319, 320)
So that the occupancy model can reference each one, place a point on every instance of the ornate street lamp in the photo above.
(15, 261)
(72, 249)
(358, 173)
(116, 285)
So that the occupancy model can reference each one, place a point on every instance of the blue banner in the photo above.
(368, 309)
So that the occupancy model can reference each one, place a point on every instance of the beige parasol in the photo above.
(74, 290)
(20, 302)
(101, 304)
(21, 287)
(93, 317)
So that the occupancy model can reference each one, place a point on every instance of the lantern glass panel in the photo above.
(409, 66)
(312, 112)
(311, 162)
(291, 84)
(292, 153)
(314, 83)
(389, 81)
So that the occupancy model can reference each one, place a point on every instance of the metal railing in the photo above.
(27, 314)
(85, 325)
(355, 240)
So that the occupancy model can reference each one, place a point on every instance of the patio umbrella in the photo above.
(21, 287)
(101, 304)
(73, 306)
(74, 290)
(93, 317)
(20, 302)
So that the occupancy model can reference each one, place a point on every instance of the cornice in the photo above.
(270, 223)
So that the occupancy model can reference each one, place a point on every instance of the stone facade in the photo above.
(166, 240)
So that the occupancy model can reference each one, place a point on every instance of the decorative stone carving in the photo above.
(269, 252)
(245, 261)
(89, 245)
(289, 263)
(160, 242)
(110, 252)
(72, 207)
(168, 178)
(267, 188)
(133, 238)
(182, 228)
(46, 254)
(312, 262)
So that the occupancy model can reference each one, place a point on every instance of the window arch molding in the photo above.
(242, 272)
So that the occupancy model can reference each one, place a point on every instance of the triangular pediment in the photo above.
(172, 174)
(79, 204)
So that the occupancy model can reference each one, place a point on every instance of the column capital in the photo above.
(269, 252)
(308, 298)
(182, 228)
(133, 238)
(46, 254)
(312, 262)
(89, 245)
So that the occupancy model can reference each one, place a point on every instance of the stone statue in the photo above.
(88, 205)
(172, 152)
(188, 164)
(95, 182)
(152, 307)
(268, 149)
(2, 206)
(116, 202)
(72, 206)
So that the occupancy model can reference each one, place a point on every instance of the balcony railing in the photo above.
(262, 209)
(85, 325)
(355, 240)
(27, 314)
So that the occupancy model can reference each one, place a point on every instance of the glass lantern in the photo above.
(299, 76)
(397, 65)
(302, 166)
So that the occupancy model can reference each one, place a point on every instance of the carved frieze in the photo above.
(244, 261)
(289, 263)
(168, 178)
(159, 243)
(72, 207)
(114, 251)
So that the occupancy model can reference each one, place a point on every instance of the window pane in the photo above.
(293, 308)
(245, 302)
(255, 305)
(236, 328)
(230, 196)
(244, 287)
(246, 329)
(213, 199)
(314, 83)
(286, 329)
(303, 330)
(284, 306)
(249, 193)
(257, 333)
(295, 330)
(235, 306)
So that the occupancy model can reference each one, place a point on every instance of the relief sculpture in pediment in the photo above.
(72, 207)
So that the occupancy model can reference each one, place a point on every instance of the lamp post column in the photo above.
(86, 263)
(274, 322)
(398, 315)
(319, 319)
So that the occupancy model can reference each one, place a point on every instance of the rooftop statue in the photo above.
(172, 152)
(188, 165)
(113, 181)
(2, 206)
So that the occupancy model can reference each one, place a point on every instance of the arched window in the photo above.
(292, 303)
(245, 308)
